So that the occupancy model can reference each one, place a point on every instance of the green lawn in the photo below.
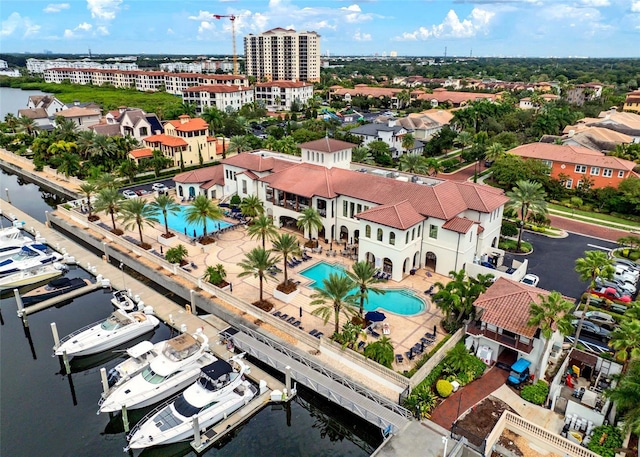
(576, 213)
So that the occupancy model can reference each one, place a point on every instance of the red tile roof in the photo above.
(458, 224)
(166, 140)
(327, 145)
(141, 153)
(258, 163)
(506, 305)
(285, 84)
(400, 215)
(209, 175)
(191, 125)
(572, 155)
(218, 89)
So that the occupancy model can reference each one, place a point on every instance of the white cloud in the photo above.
(354, 14)
(452, 27)
(595, 3)
(104, 9)
(68, 33)
(635, 6)
(16, 23)
(102, 30)
(84, 26)
(359, 36)
(170, 31)
(202, 15)
(56, 7)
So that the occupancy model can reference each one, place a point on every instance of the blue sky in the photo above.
(509, 28)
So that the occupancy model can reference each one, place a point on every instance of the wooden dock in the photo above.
(53, 301)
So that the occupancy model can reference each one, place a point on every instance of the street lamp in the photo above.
(444, 442)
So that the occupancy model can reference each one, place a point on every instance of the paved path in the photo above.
(464, 174)
(586, 228)
(449, 410)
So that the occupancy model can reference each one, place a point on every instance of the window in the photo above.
(345, 208)
(367, 231)
(419, 231)
(407, 240)
(413, 234)
(244, 186)
(607, 172)
(392, 238)
(620, 173)
(581, 168)
(595, 171)
(568, 183)
(379, 234)
(433, 231)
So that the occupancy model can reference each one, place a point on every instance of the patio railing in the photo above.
(515, 343)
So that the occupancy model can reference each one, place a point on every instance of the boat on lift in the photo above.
(53, 288)
(31, 276)
(11, 241)
(220, 390)
(118, 328)
(29, 257)
(176, 366)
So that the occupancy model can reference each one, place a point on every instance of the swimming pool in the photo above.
(178, 223)
(397, 301)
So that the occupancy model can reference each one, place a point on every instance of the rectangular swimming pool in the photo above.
(178, 223)
(397, 301)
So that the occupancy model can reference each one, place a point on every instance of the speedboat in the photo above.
(219, 391)
(177, 365)
(53, 288)
(31, 276)
(123, 301)
(11, 241)
(30, 256)
(139, 357)
(116, 329)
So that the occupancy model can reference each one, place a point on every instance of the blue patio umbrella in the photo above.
(375, 316)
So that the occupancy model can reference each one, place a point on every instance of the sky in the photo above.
(482, 28)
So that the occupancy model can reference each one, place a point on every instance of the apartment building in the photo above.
(283, 54)
(278, 95)
(221, 96)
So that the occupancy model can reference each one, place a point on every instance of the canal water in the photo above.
(11, 100)
(44, 412)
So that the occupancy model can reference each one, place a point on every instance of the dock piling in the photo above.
(65, 359)
(196, 432)
(287, 380)
(105, 382)
(56, 338)
(192, 294)
(6, 190)
(125, 419)
(19, 303)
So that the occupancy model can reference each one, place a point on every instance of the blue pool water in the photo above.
(178, 223)
(398, 301)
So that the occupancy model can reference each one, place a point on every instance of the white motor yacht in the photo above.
(31, 276)
(11, 241)
(177, 365)
(139, 357)
(30, 256)
(116, 329)
(123, 301)
(219, 391)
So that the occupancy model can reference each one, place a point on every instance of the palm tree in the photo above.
(551, 313)
(109, 201)
(239, 144)
(84, 142)
(158, 162)
(176, 254)
(214, 117)
(413, 163)
(380, 351)
(88, 189)
(594, 264)
(105, 180)
(12, 122)
(102, 150)
(494, 152)
(200, 210)
(252, 206)
(128, 169)
(166, 205)
(262, 228)
(256, 263)
(626, 396)
(136, 212)
(310, 220)
(362, 276)
(458, 295)
(69, 164)
(26, 125)
(215, 275)
(464, 139)
(361, 154)
(408, 141)
(287, 245)
(625, 340)
(335, 297)
(527, 197)
(433, 166)
(66, 129)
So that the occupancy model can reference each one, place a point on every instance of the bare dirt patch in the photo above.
(517, 446)
(478, 422)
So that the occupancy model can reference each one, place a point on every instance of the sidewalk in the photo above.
(593, 220)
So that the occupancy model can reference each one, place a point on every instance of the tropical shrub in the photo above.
(536, 393)
(176, 254)
(235, 201)
(509, 229)
(421, 401)
(605, 440)
(444, 388)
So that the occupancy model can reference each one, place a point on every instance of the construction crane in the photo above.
(232, 18)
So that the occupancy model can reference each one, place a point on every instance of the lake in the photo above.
(14, 99)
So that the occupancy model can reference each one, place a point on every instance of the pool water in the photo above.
(397, 301)
(178, 223)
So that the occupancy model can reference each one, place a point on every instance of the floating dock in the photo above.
(22, 311)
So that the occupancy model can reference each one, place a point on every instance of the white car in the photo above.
(530, 280)
(602, 319)
(129, 194)
(159, 187)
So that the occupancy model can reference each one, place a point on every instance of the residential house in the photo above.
(171, 147)
(84, 118)
(571, 164)
(632, 101)
(453, 98)
(39, 116)
(596, 138)
(132, 122)
(392, 133)
(397, 224)
(140, 155)
(580, 93)
(49, 103)
(532, 103)
(501, 325)
(426, 124)
(221, 96)
(279, 95)
(362, 90)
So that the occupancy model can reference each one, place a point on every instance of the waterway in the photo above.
(44, 412)
(11, 100)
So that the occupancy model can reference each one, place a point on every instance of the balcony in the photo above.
(514, 342)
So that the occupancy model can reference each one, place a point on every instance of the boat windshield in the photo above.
(181, 347)
(184, 408)
(114, 321)
(152, 377)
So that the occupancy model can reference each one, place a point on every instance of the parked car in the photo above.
(598, 317)
(159, 187)
(129, 194)
(626, 272)
(623, 288)
(530, 280)
(610, 294)
(519, 373)
(592, 330)
(629, 264)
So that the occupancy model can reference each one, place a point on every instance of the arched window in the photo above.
(418, 231)
(407, 240)
(392, 238)
(367, 231)
(379, 234)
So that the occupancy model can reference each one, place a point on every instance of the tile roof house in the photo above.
(426, 124)
(220, 96)
(455, 99)
(501, 324)
(47, 102)
(83, 117)
(573, 163)
(632, 101)
(398, 225)
(392, 133)
(278, 95)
